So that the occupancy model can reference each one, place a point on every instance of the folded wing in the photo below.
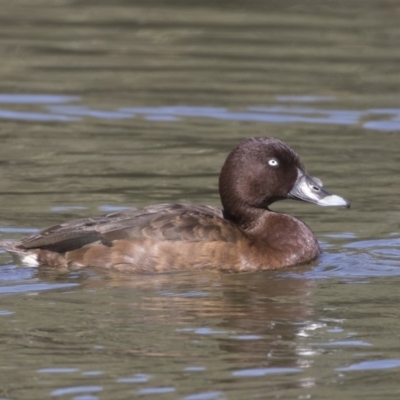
(174, 222)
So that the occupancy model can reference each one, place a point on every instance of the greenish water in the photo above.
(107, 105)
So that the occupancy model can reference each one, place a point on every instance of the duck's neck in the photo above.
(247, 218)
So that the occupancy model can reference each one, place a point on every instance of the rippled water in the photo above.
(377, 119)
(105, 106)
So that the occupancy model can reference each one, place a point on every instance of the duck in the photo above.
(245, 235)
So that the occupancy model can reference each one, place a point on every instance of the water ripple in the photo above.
(372, 365)
(36, 99)
(76, 390)
(38, 287)
(356, 259)
(156, 390)
(55, 109)
(265, 371)
(206, 396)
(57, 370)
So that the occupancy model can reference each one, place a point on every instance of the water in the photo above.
(107, 106)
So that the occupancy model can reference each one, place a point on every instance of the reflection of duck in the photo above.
(244, 236)
(257, 315)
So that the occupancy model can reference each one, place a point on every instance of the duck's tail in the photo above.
(27, 257)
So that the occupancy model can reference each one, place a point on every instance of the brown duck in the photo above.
(243, 236)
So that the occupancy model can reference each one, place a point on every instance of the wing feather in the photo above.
(163, 222)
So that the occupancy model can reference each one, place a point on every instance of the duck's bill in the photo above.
(310, 189)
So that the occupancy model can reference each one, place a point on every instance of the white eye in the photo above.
(273, 163)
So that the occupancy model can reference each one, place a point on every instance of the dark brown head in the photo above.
(262, 170)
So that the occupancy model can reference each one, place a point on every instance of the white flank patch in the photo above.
(30, 260)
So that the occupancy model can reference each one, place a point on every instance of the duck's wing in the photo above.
(66, 236)
(161, 222)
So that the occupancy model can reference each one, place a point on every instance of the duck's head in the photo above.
(262, 170)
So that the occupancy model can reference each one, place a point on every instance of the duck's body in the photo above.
(244, 236)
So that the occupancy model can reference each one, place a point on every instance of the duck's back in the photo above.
(174, 222)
